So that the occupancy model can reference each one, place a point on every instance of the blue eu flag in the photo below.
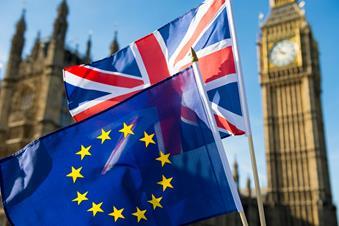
(150, 160)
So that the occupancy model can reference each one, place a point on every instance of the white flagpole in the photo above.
(216, 136)
(244, 107)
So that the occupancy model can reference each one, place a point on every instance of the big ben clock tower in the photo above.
(298, 177)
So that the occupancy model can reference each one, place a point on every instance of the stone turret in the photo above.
(12, 72)
(115, 45)
(18, 42)
(57, 43)
(88, 49)
(248, 187)
(60, 24)
(236, 173)
(36, 46)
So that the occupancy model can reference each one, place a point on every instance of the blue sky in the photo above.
(135, 18)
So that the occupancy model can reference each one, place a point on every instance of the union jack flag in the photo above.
(95, 87)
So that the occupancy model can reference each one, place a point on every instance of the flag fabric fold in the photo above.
(95, 87)
(115, 168)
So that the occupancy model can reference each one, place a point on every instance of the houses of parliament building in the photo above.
(298, 193)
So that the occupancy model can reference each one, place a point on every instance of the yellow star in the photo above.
(165, 183)
(80, 197)
(127, 129)
(155, 202)
(84, 151)
(75, 174)
(117, 214)
(140, 214)
(164, 158)
(96, 208)
(148, 139)
(104, 136)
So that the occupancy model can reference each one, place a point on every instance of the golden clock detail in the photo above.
(283, 53)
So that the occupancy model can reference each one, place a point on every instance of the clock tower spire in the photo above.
(298, 177)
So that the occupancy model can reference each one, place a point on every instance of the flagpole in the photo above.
(216, 136)
(244, 107)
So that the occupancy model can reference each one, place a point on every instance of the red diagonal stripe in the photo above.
(204, 22)
(153, 58)
(216, 64)
(224, 124)
(105, 78)
(102, 106)
(188, 114)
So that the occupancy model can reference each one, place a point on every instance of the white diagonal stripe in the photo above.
(225, 131)
(91, 85)
(235, 119)
(192, 27)
(204, 52)
(113, 73)
(84, 83)
(140, 63)
(215, 47)
(224, 80)
(86, 105)
(177, 66)
(162, 44)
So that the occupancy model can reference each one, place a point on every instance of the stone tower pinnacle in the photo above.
(248, 187)
(60, 24)
(57, 43)
(88, 49)
(36, 46)
(18, 42)
(115, 44)
(236, 173)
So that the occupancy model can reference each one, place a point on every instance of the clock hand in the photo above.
(282, 51)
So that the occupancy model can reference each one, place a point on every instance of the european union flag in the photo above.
(150, 160)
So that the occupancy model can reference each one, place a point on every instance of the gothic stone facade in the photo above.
(32, 100)
(297, 168)
(32, 103)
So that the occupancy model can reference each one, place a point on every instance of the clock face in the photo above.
(283, 53)
(27, 101)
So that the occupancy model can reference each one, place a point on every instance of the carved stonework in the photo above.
(32, 103)
(298, 178)
(24, 100)
(31, 97)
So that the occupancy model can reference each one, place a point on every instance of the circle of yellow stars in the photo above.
(118, 213)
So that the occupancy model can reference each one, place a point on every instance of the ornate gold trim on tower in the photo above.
(277, 3)
(299, 190)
